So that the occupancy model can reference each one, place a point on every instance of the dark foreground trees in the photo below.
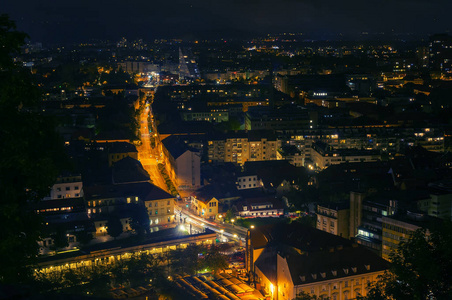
(421, 268)
(30, 156)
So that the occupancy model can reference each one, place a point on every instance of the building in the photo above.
(293, 118)
(209, 116)
(128, 170)
(438, 205)
(440, 53)
(204, 207)
(139, 67)
(277, 176)
(101, 224)
(240, 147)
(324, 155)
(399, 227)
(120, 150)
(160, 208)
(188, 69)
(105, 199)
(288, 259)
(183, 163)
(365, 217)
(248, 181)
(260, 208)
(101, 254)
(293, 154)
(66, 186)
(334, 218)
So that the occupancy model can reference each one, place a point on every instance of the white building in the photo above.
(66, 186)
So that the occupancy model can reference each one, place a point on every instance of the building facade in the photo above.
(242, 147)
(324, 155)
(66, 186)
(334, 219)
(205, 208)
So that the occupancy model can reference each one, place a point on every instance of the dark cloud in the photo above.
(84, 19)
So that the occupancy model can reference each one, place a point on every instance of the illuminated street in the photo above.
(148, 156)
(231, 232)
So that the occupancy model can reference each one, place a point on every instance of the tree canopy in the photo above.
(421, 268)
(31, 156)
(114, 226)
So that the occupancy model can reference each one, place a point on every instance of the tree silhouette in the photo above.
(114, 226)
(60, 239)
(421, 268)
(30, 159)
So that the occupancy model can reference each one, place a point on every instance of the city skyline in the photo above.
(82, 20)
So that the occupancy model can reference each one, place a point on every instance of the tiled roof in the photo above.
(313, 255)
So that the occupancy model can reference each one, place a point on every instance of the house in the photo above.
(205, 208)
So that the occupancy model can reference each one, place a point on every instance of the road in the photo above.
(224, 230)
(148, 156)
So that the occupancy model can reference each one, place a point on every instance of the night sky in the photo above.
(81, 20)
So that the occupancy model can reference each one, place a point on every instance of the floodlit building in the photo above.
(205, 208)
(160, 208)
(289, 259)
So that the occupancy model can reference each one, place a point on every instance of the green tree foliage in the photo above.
(195, 258)
(305, 296)
(186, 260)
(421, 268)
(30, 158)
(214, 260)
(114, 226)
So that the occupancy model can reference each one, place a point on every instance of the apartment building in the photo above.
(240, 147)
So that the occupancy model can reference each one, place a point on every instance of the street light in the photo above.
(252, 226)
